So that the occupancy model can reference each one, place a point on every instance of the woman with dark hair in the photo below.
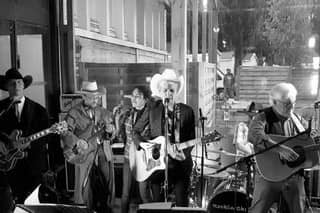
(139, 99)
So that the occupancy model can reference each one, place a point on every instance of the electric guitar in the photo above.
(274, 169)
(14, 150)
(151, 156)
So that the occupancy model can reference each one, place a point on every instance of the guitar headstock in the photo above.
(59, 128)
(212, 137)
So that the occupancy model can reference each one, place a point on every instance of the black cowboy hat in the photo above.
(253, 109)
(13, 73)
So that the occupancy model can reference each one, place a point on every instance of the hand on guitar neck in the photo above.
(176, 153)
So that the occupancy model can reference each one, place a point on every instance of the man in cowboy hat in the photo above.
(181, 127)
(85, 121)
(19, 112)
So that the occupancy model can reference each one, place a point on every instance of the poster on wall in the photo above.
(67, 101)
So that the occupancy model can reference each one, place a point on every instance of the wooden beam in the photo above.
(195, 30)
(204, 34)
(179, 38)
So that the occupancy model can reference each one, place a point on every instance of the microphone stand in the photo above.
(167, 141)
(248, 159)
(203, 151)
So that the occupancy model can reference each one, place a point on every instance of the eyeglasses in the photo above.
(92, 97)
(287, 103)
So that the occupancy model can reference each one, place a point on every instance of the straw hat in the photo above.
(90, 88)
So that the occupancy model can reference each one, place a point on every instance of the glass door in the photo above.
(31, 48)
(5, 50)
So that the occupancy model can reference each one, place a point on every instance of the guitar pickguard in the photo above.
(152, 163)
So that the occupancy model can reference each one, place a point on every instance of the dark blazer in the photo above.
(34, 118)
(155, 119)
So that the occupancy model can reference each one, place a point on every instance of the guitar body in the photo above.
(272, 168)
(147, 160)
(79, 153)
(76, 158)
(8, 162)
(14, 150)
(151, 156)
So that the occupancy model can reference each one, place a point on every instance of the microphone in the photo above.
(128, 96)
(201, 116)
(166, 101)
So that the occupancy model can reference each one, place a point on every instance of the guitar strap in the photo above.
(85, 181)
(298, 125)
(92, 116)
(176, 122)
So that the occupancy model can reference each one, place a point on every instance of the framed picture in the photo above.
(67, 101)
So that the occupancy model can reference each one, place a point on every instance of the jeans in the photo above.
(266, 193)
(128, 181)
(179, 177)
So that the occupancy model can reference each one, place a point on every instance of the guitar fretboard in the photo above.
(312, 147)
(36, 136)
(188, 143)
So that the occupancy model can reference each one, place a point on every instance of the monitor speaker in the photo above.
(51, 208)
(167, 208)
(163, 207)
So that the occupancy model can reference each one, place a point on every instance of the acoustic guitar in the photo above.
(80, 151)
(274, 169)
(151, 156)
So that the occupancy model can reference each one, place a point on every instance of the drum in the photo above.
(209, 186)
(211, 159)
(230, 197)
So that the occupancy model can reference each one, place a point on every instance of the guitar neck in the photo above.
(36, 136)
(310, 148)
(189, 143)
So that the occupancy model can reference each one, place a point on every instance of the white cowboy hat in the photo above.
(90, 87)
(167, 75)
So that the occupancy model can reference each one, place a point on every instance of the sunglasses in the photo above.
(168, 89)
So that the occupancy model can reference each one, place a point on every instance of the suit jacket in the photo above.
(34, 118)
(155, 119)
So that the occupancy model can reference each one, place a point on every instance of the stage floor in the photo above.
(134, 207)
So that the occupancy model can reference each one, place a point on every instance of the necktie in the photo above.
(17, 111)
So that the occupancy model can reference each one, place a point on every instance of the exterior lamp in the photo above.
(205, 5)
(312, 42)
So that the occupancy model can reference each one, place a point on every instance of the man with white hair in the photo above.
(279, 119)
